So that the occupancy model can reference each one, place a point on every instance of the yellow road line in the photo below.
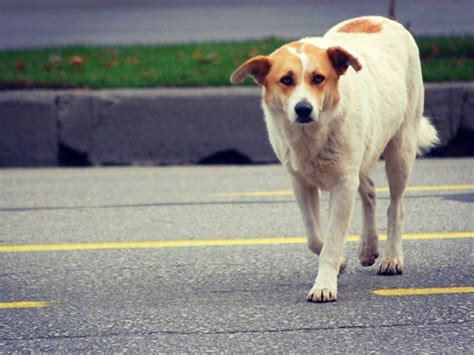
(379, 189)
(422, 291)
(27, 304)
(206, 242)
(436, 235)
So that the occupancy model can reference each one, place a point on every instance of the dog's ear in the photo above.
(341, 59)
(256, 67)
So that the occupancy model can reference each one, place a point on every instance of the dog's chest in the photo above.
(318, 164)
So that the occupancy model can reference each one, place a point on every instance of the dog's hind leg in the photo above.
(308, 201)
(400, 156)
(368, 247)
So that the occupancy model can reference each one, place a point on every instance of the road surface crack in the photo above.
(229, 332)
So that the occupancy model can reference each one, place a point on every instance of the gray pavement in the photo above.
(30, 23)
(221, 298)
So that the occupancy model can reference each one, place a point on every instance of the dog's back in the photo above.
(388, 93)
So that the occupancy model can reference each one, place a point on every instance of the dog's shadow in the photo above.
(466, 197)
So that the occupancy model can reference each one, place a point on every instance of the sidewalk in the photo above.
(174, 126)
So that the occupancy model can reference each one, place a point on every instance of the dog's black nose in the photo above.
(303, 109)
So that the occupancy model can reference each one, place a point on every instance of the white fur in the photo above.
(301, 93)
(379, 112)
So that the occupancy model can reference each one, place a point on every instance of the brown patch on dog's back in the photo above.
(361, 26)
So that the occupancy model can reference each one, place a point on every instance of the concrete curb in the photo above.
(167, 126)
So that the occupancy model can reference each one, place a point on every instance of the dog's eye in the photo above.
(287, 80)
(318, 79)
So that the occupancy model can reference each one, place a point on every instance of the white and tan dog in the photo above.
(333, 105)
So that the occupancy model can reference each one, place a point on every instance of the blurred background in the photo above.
(185, 49)
(40, 23)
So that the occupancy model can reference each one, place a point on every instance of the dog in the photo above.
(332, 106)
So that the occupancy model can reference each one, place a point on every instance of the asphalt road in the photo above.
(170, 292)
(32, 23)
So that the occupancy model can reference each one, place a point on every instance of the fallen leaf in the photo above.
(132, 60)
(198, 54)
(20, 65)
(253, 52)
(54, 58)
(181, 55)
(111, 63)
(209, 58)
(212, 58)
(434, 51)
(150, 72)
(113, 51)
(76, 61)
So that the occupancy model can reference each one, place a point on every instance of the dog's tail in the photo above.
(427, 136)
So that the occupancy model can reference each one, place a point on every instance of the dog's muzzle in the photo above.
(303, 111)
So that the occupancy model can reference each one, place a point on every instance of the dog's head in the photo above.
(300, 79)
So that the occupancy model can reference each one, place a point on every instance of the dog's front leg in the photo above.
(308, 201)
(341, 202)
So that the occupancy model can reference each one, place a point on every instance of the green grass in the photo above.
(206, 64)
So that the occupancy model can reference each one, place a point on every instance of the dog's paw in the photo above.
(368, 249)
(391, 266)
(367, 257)
(321, 295)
